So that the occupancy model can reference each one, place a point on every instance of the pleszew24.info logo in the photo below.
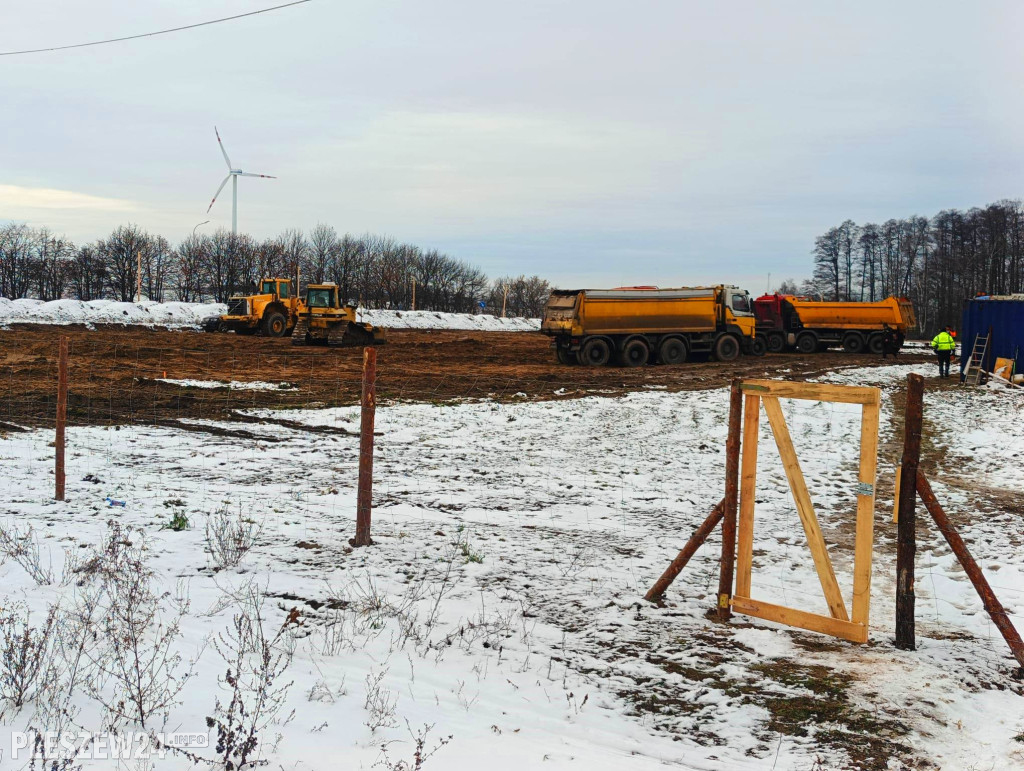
(126, 745)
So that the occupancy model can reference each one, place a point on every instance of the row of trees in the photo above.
(936, 262)
(376, 271)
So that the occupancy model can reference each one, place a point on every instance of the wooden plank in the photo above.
(748, 480)
(823, 392)
(864, 542)
(804, 507)
(813, 622)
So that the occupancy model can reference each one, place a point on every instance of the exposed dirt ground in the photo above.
(113, 372)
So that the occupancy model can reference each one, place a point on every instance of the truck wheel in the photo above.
(875, 344)
(776, 343)
(635, 353)
(595, 352)
(853, 343)
(274, 325)
(565, 356)
(727, 348)
(759, 347)
(672, 350)
(807, 343)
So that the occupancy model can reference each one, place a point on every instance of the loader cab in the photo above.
(281, 287)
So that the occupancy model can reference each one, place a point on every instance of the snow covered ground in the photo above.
(501, 603)
(232, 385)
(175, 315)
(151, 314)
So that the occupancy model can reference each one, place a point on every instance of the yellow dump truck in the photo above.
(637, 326)
(812, 325)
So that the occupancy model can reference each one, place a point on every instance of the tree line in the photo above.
(937, 263)
(374, 271)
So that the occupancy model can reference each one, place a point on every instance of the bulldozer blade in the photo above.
(355, 335)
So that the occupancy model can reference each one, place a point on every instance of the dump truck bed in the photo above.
(631, 311)
(897, 313)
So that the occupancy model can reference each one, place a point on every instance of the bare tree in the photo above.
(323, 248)
(190, 277)
(51, 264)
(15, 260)
(121, 252)
(88, 273)
(521, 296)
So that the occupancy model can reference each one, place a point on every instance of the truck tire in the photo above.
(727, 348)
(807, 342)
(759, 346)
(274, 324)
(875, 343)
(672, 350)
(635, 353)
(776, 343)
(595, 352)
(853, 342)
(565, 356)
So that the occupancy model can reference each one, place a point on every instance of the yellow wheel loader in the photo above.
(272, 311)
(323, 320)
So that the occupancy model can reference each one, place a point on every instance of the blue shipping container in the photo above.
(1006, 318)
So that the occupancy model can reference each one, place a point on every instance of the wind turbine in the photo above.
(233, 175)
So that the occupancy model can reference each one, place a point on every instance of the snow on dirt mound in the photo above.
(173, 315)
(176, 315)
(437, 320)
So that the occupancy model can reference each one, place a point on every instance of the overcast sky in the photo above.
(595, 143)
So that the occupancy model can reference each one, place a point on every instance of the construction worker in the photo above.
(889, 341)
(943, 344)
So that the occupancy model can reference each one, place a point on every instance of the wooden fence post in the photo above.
(62, 417)
(364, 498)
(675, 568)
(956, 543)
(906, 545)
(732, 481)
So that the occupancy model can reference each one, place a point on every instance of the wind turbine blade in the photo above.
(217, 193)
(263, 176)
(222, 150)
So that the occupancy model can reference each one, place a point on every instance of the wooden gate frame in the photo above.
(839, 623)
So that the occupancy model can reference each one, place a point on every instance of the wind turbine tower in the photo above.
(233, 175)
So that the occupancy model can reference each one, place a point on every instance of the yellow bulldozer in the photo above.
(324, 320)
(319, 318)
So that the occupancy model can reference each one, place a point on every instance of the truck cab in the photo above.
(739, 313)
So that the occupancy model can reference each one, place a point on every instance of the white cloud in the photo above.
(17, 202)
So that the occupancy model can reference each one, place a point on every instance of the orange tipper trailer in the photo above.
(810, 325)
(637, 326)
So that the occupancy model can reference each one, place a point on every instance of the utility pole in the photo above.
(138, 276)
(504, 300)
(413, 294)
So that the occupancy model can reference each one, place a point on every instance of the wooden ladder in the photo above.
(972, 375)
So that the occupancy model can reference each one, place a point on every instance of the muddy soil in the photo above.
(115, 373)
